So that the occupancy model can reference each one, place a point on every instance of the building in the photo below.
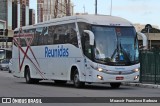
(24, 14)
(153, 35)
(6, 23)
(31, 16)
(2, 24)
(139, 27)
(20, 11)
(15, 12)
(49, 9)
(40, 10)
(6, 12)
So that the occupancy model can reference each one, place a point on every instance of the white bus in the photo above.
(82, 49)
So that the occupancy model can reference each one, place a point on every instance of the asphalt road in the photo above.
(16, 87)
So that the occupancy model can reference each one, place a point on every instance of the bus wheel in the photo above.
(28, 78)
(60, 82)
(115, 85)
(76, 81)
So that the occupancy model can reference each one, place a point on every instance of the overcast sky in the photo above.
(136, 11)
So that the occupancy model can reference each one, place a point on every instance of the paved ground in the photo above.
(16, 87)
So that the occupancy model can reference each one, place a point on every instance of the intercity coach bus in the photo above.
(82, 49)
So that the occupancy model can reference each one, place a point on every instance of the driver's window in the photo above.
(86, 46)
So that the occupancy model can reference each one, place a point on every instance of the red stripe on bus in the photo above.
(25, 55)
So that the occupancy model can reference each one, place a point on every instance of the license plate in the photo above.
(119, 78)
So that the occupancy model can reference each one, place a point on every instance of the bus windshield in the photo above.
(115, 45)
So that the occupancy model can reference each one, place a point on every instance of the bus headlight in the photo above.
(100, 69)
(136, 70)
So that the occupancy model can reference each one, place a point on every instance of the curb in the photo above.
(142, 85)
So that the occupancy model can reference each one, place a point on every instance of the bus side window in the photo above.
(71, 36)
(23, 42)
(50, 35)
(45, 36)
(60, 34)
(56, 35)
(32, 31)
(39, 36)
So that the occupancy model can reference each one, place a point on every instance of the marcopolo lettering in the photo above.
(56, 52)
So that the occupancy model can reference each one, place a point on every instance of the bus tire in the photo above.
(60, 82)
(28, 78)
(76, 81)
(115, 85)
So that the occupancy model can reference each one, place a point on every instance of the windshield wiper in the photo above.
(125, 54)
(115, 51)
(118, 50)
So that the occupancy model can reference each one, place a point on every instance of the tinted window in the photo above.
(23, 42)
(62, 34)
(58, 34)
(39, 36)
(45, 35)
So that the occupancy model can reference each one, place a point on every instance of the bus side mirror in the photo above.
(91, 37)
(145, 40)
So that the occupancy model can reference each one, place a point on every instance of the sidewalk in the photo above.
(143, 85)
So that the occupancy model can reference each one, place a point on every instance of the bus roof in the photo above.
(91, 19)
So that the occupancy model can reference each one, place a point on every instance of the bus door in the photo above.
(87, 50)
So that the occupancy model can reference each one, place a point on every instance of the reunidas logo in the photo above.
(60, 51)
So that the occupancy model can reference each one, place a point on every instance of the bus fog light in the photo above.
(99, 77)
(136, 77)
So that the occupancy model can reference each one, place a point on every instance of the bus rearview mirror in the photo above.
(91, 37)
(145, 40)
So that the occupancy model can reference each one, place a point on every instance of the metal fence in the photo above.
(150, 66)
